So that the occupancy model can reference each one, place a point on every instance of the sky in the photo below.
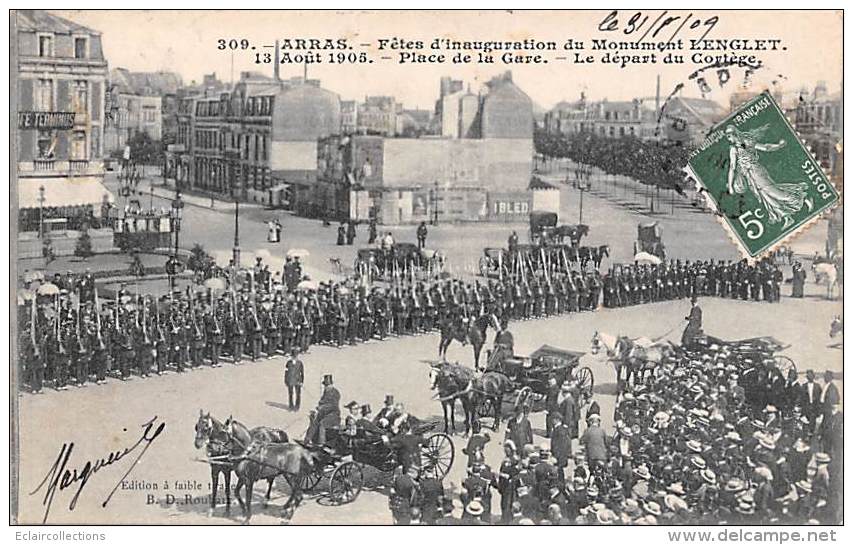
(186, 42)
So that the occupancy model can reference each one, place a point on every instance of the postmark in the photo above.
(759, 176)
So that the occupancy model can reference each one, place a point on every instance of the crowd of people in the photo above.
(699, 442)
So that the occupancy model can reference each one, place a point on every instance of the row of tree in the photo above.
(657, 164)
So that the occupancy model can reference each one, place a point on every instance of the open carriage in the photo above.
(749, 351)
(403, 258)
(343, 457)
(530, 375)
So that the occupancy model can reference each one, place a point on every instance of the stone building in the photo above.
(61, 77)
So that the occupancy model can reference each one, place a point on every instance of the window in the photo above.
(149, 114)
(44, 95)
(264, 148)
(80, 98)
(81, 46)
(46, 144)
(78, 146)
(45, 45)
(257, 139)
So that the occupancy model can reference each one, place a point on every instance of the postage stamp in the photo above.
(759, 176)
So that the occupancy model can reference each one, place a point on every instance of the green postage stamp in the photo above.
(760, 178)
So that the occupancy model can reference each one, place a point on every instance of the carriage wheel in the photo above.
(345, 483)
(437, 455)
(785, 364)
(311, 480)
(485, 408)
(585, 380)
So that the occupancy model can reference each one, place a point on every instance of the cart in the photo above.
(649, 240)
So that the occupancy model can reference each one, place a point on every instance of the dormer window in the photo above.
(45, 43)
(81, 47)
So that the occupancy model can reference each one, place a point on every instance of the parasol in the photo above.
(645, 257)
(48, 289)
(343, 290)
(307, 285)
(215, 283)
(32, 276)
(298, 252)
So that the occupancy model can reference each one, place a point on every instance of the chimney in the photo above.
(657, 97)
(275, 67)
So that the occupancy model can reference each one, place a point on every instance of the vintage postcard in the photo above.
(427, 268)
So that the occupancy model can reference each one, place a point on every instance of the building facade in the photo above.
(139, 103)
(256, 143)
(61, 83)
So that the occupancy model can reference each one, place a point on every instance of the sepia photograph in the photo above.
(427, 267)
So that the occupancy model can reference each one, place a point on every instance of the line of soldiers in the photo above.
(634, 284)
(70, 342)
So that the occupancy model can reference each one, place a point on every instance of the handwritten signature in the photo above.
(59, 477)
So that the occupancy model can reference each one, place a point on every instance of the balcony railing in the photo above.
(43, 165)
(78, 164)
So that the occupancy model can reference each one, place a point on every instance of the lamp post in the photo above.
(177, 216)
(41, 211)
(236, 253)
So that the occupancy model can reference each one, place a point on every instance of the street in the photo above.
(100, 420)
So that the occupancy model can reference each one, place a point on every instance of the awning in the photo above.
(77, 191)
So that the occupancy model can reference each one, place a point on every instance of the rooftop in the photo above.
(32, 20)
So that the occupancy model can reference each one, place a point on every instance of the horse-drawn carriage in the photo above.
(401, 259)
(754, 351)
(530, 375)
(649, 240)
(342, 458)
(541, 224)
(544, 228)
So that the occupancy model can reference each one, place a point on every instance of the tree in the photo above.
(144, 150)
(199, 259)
(84, 246)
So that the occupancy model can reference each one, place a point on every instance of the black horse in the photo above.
(263, 460)
(451, 382)
(474, 332)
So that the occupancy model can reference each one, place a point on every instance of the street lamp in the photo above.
(41, 211)
(177, 216)
(236, 254)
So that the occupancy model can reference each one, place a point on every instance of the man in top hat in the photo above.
(327, 414)
(366, 428)
(810, 393)
(518, 429)
(568, 408)
(829, 397)
(386, 414)
(694, 323)
(294, 377)
(561, 446)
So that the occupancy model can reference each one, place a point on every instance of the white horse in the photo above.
(826, 274)
(638, 355)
